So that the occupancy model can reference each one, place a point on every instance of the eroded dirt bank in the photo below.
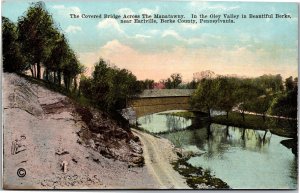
(44, 130)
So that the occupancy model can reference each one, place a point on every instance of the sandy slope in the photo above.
(52, 138)
(158, 154)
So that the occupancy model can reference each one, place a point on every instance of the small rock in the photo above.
(64, 165)
(91, 143)
(61, 152)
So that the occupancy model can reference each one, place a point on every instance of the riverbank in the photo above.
(159, 154)
(279, 126)
(44, 134)
(220, 156)
(170, 168)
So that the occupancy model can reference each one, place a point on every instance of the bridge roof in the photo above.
(152, 93)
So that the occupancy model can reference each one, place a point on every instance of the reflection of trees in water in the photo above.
(220, 138)
(195, 137)
(177, 139)
(146, 119)
(176, 123)
(294, 169)
(257, 140)
(217, 142)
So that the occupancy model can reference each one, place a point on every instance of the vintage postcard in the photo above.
(149, 94)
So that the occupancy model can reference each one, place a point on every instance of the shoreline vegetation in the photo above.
(53, 64)
(279, 126)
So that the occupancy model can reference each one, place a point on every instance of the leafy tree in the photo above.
(13, 61)
(269, 83)
(60, 55)
(285, 104)
(109, 86)
(246, 93)
(206, 95)
(71, 68)
(174, 81)
(261, 104)
(289, 84)
(146, 84)
(36, 29)
(192, 85)
(85, 86)
(226, 94)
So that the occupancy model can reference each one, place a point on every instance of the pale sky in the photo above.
(248, 47)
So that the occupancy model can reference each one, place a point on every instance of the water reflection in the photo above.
(243, 158)
(162, 122)
(217, 138)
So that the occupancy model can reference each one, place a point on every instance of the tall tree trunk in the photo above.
(75, 83)
(47, 74)
(65, 81)
(54, 77)
(264, 117)
(34, 70)
(227, 114)
(209, 115)
(38, 69)
(243, 115)
(59, 77)
(68, 83)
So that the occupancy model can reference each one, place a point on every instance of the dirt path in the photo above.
(158, 154)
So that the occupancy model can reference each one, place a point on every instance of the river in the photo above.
(243, 158)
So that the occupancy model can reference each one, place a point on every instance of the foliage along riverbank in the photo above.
(278, 126)
(197, 176)
(281, 127)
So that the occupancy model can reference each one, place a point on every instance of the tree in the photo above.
(269, 83)
(174, 81)
(246, 93)
(60, 56)
(13, 61)
(70, 69)
(289, 84)
(85, 86)
(192, 85)
(146, 84)
(285, 104)
(226, 94)
(206, 95)
(36, 29)
(109, 87)
(261, 105)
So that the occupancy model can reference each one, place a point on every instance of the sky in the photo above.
(249, 47)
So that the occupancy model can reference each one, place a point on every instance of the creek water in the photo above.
(243, 158)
